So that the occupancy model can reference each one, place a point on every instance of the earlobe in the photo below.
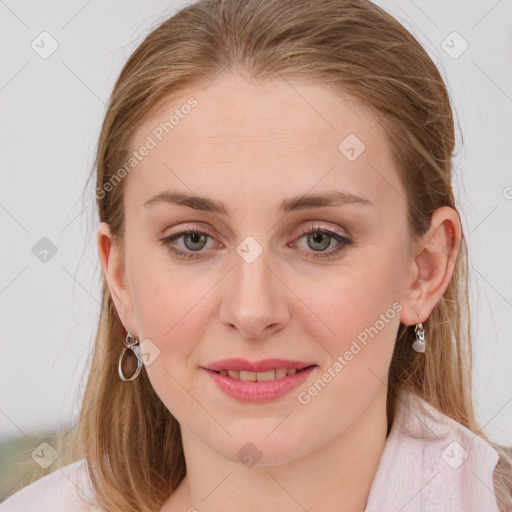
(432, 265)
(114, 271)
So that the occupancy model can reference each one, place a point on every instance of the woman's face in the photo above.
(250, 284)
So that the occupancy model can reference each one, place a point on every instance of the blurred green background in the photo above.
(19, 469)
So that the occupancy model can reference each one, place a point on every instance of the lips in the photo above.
(257, 366)
(260, 391)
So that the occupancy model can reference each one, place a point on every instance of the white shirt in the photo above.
(430, 463)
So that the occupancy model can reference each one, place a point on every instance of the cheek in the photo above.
(173, 314)
(355, 322)
(173, 309)
(355, 312)
(166, 296)
(169, 310)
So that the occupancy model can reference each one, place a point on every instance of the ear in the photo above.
(432, 265)
(115, 275)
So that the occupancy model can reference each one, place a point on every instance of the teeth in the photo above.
(248, 376)
(281, 372)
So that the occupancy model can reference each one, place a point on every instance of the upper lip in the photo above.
(255, 366)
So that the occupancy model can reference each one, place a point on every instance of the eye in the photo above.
(195, 240)
(321, 238)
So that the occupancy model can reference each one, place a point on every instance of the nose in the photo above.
(256, 302)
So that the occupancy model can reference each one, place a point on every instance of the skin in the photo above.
(250, 146)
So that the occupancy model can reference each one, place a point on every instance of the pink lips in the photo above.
(255, 391)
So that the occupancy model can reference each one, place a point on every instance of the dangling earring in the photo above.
(419, 345)
(131, 343)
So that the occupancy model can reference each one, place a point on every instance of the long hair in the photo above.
(131, 442)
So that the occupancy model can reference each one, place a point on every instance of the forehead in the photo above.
(244, 141)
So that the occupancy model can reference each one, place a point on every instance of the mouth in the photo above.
(266, 376)
(262, 386)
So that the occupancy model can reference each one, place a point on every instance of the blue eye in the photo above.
(195, 237)
(317, 235)
(196, 241)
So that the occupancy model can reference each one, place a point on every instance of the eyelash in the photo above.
(343, 241)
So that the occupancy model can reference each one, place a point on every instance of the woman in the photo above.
(285, 319)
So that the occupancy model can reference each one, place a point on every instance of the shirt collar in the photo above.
(432, 463)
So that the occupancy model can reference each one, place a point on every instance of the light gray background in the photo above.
(51, 110)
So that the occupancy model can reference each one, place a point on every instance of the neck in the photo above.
(339, 474)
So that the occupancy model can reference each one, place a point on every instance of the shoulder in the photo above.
(432, 463)
(65, 490)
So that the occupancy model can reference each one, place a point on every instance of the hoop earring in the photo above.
(419, 345)
(131, 343)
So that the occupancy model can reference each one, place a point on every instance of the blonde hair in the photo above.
(131, 442)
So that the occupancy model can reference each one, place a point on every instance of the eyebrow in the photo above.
(302, 202)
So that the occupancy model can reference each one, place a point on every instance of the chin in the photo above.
(261, 450)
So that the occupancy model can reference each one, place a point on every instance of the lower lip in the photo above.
(255, 391)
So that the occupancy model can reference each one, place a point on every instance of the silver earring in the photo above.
(419, 344)
(131, 343)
